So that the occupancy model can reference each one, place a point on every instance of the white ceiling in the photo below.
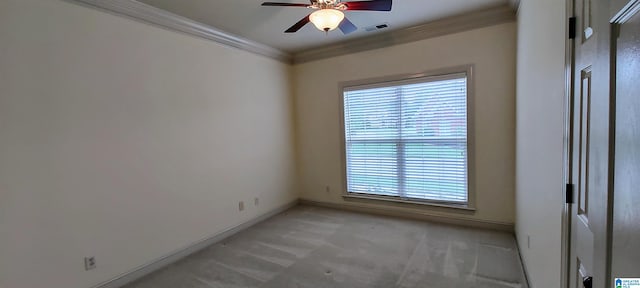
(248, 19)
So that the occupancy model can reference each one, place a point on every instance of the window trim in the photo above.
(444, 73)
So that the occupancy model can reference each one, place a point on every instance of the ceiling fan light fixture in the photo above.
(326, 19)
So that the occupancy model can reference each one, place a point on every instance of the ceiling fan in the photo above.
(329, 14)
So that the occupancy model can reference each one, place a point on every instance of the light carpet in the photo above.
(315, 247)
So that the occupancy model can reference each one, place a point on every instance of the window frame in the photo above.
(402, 79)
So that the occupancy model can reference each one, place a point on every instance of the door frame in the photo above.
(620, 12)
(568, 145)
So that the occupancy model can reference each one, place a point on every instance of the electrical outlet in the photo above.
(256, 201)
(241, 205)
(89, 263)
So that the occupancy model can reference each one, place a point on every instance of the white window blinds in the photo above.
(408, 139)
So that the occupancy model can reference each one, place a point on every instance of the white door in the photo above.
(589, 166)
(604, 144)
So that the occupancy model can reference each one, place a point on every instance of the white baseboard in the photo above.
(394, 212)
(155, 265)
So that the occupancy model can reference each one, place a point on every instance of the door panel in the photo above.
(585, 109)
(587, 24)
(626, 212)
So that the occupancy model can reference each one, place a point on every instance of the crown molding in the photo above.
(149, 14)
(450, 25)
(156, 16)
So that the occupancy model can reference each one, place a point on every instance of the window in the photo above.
(407, 139)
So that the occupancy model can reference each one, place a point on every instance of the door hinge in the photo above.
(572, 28)
(569, 194)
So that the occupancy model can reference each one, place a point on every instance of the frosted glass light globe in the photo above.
(326, 19)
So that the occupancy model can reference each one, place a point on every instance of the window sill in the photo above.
(464, 207)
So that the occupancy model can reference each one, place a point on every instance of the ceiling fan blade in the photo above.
(298, 25)
(347, 26)
(285, 4)
(374, 5)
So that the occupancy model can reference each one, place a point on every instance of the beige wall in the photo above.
(539, 143)
(492, 51)
(126, 141)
